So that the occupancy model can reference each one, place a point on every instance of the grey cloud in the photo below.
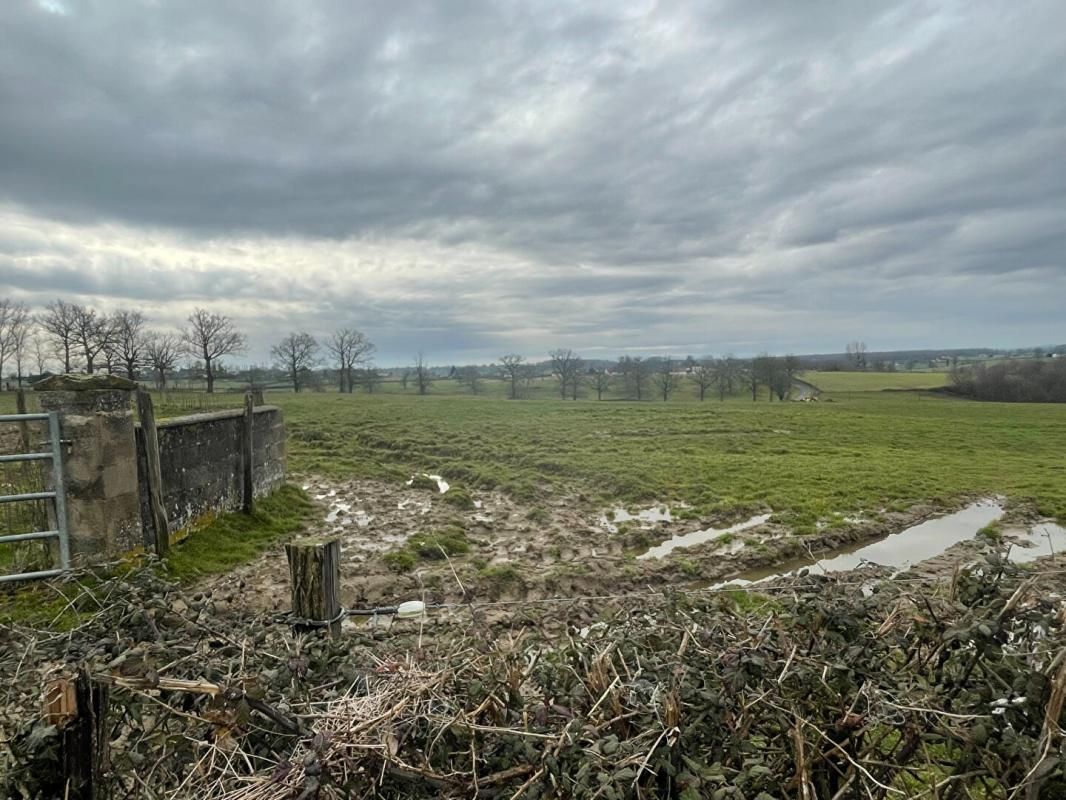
(699, 159)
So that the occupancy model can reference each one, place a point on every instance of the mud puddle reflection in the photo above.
(897, 551)
(699, 537)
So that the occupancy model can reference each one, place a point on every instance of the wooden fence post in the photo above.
(78, 707)
(160, 524)
(246, 454)
(20, 408)
(314, 575)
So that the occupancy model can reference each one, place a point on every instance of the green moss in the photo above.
(432, 546)
(538, 514)
(459, 498)
(423, 482)
(689, 567)
(500, 577)
(232, 539)
(992, 532)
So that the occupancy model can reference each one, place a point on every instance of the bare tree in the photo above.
(162, 351)
(297, 353)
(58, 324)
(753, 378)
(600, 381)
(791, 366)
(703, 375)
(635, 373)
(470, 377)
(370, 378)
(209, 337)
(404, 378)
(513, 370)
(420, 373)
(130, 341)
(15, 322)
(856, 352)
(665, 378)
(773, 376)
(728, 377)
(349, 349)
(20, 341)
(40, 353)
(93, 333)
(566, 367)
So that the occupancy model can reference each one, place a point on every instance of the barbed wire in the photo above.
(716, 589)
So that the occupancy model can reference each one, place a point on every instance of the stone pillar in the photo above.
(99, 462)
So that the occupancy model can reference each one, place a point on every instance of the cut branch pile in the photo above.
(813, 692)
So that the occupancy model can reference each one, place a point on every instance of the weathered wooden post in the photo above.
(246, 454)
(160, 524)
(24, 431)
(314, 574)
(77, 706)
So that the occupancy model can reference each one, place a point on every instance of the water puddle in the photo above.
(341, 514)
(337, 510)
(897, 551)
(699, 537)
(1041, 540)
(648, 517)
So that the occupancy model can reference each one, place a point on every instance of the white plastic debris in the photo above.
(412, 609)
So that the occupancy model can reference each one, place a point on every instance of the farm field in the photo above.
(876, 381)
(802, 461)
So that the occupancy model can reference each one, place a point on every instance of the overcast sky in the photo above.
(471, 179)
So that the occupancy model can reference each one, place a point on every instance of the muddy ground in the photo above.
(521, 553)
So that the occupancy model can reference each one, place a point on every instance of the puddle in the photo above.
(337, 510)
(699, 537)
(414, 505)
(1039, 541)
(341, 514)
(442, 484)
(897, 551)
(647, 517)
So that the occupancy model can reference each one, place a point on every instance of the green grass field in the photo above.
(867, 450)
(876, 381)
(804, 461)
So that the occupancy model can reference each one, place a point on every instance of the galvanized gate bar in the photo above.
(24, 457)
(60, 494)
(18, 498)
(29, 576)
(57, 496)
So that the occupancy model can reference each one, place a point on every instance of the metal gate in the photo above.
(59, 505)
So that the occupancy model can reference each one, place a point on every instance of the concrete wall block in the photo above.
(200, 459)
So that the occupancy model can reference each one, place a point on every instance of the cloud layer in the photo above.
(472, 178)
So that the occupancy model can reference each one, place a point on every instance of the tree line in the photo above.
(636, 377)
(1032, 380)
(75, 337)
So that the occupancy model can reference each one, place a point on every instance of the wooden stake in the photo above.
(314, 574)
(20, 408)
(160, 524)
(78, 707)
(246, 454)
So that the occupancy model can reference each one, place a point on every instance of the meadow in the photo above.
(864, 451)
(876, 381)
(854, 451)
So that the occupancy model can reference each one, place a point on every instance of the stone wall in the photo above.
(200, 460)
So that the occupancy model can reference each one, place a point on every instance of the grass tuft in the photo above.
(233, 539)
